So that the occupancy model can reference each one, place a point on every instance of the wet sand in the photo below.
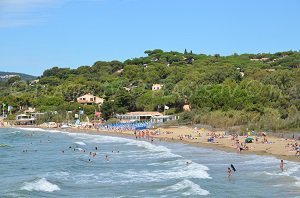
(275, 146)
(199, 137)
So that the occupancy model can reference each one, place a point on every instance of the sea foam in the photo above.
(32, 129)
(40, 185)
(162, 150)
(289, 171)
(189, 188)
(80, 143)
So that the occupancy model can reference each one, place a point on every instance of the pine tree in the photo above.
(185, 52)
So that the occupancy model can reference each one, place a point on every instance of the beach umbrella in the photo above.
(249, 140)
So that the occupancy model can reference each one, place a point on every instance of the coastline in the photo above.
(177, 135)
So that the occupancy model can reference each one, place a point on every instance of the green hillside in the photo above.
(250, 90)
(22, 76)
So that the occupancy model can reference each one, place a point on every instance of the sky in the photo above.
(39, 34)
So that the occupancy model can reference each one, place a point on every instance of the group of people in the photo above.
(294, 147)
(128, 126)
(241, 146)
(92, 154)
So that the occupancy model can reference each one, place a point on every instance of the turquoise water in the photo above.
(33, 165)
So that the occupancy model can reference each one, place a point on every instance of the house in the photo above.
(24, 119)
(29, 110)
(156, 87)
(270, 70)
(259, 59)
(186, 107)
(33, 82)
(119, 71)
(89, 99)
(152, 116)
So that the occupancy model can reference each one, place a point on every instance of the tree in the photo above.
(107, 109)
(185, 52)
(13, 79)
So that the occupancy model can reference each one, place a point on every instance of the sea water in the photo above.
(50, 163)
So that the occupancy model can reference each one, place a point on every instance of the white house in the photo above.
(152, 116)
(24, 119)
(156, 87)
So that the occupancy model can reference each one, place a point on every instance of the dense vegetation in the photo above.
(259, 91)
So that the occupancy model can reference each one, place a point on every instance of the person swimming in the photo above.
(188, 163)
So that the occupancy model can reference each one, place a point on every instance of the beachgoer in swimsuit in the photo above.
(229, 172)
(281, 165)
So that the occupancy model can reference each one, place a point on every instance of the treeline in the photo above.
(260, 91)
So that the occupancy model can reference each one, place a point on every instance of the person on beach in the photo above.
(229, 172)
(297, 151)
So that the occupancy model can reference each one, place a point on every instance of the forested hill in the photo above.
(6, 75)
(253, 90)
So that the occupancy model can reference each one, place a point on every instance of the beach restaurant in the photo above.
(139, 116)
(24, 119)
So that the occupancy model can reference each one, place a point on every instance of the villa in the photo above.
(89, 99)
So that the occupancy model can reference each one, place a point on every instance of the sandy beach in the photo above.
(278, 147)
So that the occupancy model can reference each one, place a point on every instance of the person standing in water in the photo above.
(229, 172)
(281, 165)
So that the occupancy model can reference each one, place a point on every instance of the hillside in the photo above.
(251, 90)
(5, 75)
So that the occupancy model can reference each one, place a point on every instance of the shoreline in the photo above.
(223, 144)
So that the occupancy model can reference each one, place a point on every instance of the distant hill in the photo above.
(6, 75)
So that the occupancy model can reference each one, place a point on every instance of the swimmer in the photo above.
(96, 148)
(188, 163)
(106, 158)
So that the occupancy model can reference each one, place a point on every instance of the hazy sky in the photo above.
(39, 34)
